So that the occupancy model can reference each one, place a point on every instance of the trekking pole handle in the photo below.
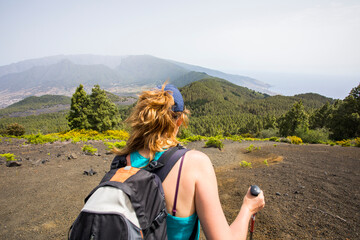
(255, 191)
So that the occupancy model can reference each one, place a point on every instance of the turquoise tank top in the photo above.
(177, 228)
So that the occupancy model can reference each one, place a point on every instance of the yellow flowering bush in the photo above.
(77, 136)
(117, 134)
(295, 140)
(344, 143)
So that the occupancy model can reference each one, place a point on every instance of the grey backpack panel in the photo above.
(133, 209)
(129, 203)
(103, 226)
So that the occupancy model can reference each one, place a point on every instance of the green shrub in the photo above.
(247, 135)
(235, 138)
(285, 140)
(245, 164)
(313, 136)
(357, 142)
(2, 131)
(295, 140)
(112, 145)
(250, 148)
(184, 133)
(89, 149)
(268, 133)
(40, 139)
(9, 156)
(274, 139)
(195, 138)
(266, 162)
(213, 142)
(15, 129)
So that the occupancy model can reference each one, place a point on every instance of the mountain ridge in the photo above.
(197, 95)
(61, 74)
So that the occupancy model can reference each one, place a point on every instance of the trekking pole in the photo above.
(255, 191)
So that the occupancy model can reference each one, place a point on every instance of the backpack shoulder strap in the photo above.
(118, 162)
(168, 160)
(161, 167)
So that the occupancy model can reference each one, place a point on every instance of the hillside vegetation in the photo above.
(216, 97)
(43, 123)
(221, 108)
(34, 103)
(217, 107)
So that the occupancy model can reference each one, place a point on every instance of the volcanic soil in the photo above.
(311, 191)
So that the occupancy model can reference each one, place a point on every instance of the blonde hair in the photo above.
(153, 123)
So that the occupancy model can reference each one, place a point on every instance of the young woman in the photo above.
(155, 121)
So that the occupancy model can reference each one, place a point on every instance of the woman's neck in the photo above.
(144, 152)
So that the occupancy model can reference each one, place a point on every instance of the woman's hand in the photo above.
(252, 203)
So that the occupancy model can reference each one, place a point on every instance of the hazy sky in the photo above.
(309, 36)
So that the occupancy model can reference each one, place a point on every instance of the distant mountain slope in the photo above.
(236, 79)
(189, 77)
(37, 105)
(148, 70)
(214, 96)
(60, 75)
(34, 105)
(82, 59)
(34, 102)
(63, 75)
(217, 96)
(120, 100)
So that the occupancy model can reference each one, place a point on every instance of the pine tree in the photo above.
(269, 121)
(345, 120)
(294, 119)
(320, 118)
(79, 110)
(103, 114)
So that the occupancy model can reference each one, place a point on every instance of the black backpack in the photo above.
(129, 203)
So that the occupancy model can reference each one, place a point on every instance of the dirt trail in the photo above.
(312, 191)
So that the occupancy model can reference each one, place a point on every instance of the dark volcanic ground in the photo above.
(311, 191)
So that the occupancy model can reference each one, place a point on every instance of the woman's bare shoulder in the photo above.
(197, 155)
(198, 158)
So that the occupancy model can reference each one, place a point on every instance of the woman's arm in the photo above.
(208, 206)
